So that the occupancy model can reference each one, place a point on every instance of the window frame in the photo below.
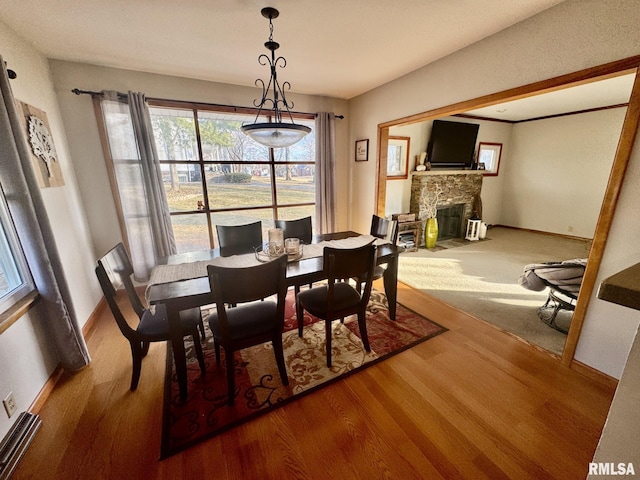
(200, 163)
(17, 301)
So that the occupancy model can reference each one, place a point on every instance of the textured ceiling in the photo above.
(335, 48)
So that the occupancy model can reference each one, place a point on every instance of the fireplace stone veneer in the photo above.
(458, 187)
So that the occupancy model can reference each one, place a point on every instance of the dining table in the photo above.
(180, 281)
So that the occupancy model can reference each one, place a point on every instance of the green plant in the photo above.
(237, 177)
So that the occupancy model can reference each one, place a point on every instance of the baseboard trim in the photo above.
(595, 375)
(87, 330)
(90, 326)
(46, 390)
(541, 232)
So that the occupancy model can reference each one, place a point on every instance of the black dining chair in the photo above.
(114, 270)
(338, 299)
(250, 322)
(234, 239)
(385, 230)
(300, 228)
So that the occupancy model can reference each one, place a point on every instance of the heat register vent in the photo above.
(16, 442)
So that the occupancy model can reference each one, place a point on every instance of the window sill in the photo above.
(17, 310)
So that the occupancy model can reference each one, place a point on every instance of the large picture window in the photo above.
(214, 174)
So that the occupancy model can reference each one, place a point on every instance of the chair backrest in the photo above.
(383, 228)
(300, 228)
(231, 285)
(114, 270)
(341, 263)
(240, 238)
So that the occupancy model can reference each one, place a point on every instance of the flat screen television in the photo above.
(452, 144)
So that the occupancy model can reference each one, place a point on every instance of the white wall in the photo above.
(571, 36)
(558, 170)
(26, 357)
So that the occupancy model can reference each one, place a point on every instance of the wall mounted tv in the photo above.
(452, 144)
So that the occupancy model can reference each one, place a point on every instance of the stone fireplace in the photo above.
(456, 202)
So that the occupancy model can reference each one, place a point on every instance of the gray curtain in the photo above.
(325, 172)
(141, 192)
(34, 230)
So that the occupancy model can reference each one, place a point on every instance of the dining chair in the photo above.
(250, 322)
(239, 238)
(300, 228)
(338, 299)
(386, 230)
(114, 271)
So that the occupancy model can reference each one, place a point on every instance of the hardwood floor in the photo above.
(472, 403)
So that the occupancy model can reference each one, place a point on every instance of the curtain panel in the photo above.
(138, 180)
(34, 231)
(325, 172)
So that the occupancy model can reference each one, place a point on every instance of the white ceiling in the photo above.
(600, 93)
(338, 48)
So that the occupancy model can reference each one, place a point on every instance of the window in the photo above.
(15, 279)
(489, 158)
(214, 174)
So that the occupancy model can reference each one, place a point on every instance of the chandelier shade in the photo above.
(274, 133)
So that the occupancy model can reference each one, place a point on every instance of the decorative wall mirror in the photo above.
(627, 66)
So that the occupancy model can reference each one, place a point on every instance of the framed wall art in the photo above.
(362, 150)
(44, 157)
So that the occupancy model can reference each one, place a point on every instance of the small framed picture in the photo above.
(362, 150)
(482, 166)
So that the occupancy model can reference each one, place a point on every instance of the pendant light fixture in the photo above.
(275, 133)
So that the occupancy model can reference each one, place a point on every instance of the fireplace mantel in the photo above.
(447, 172)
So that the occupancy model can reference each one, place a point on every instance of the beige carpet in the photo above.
(481, 278)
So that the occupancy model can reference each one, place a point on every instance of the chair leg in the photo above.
(216, 347)
(327, 328)
(231, 375)
(202, 331)
(136, 354)
(299, 316)
(362, 324)
(279, 353)
(198, 347)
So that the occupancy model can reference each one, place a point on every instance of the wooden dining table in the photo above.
(195, 292)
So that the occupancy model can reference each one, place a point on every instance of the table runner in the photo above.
(187, 271)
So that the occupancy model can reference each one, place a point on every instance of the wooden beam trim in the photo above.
(608, 70)
(605, 219)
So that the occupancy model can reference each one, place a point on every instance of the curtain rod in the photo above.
(77, 91)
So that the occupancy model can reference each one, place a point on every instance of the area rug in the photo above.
(205, 413)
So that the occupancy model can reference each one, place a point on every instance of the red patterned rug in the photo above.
(259, 389)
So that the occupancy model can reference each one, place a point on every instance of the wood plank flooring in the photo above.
(471, 403)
